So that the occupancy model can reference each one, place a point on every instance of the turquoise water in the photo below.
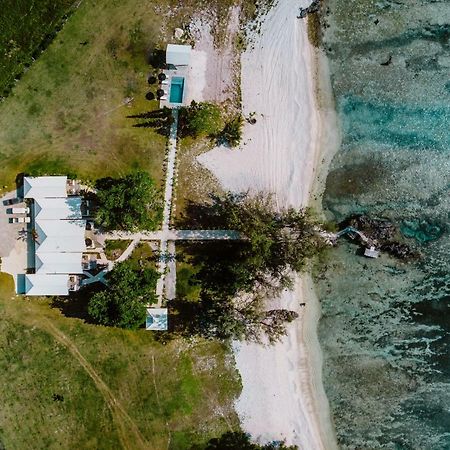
(176, 90)
(385, 330)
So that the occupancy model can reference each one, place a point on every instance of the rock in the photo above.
(383, 233)
(312, 8)
(387, 62)
(377, 229)
(179, 33)
(399, 250)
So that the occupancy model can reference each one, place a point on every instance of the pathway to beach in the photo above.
(282, 396)
(168, 193)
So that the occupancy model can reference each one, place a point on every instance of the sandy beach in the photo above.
(283, 153)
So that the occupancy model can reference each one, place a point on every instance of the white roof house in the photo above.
(57, 208)
(56, 236)
(178, 55)
(41, 187)
(37, 284)
(157, 319)
(54, 263)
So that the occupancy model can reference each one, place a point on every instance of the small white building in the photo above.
(178, 55)
(157, 319)
(42, 187)
(38, 284)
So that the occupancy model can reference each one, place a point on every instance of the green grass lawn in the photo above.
(51, 398)
(26, 28)
(115, 247)
(67, 113)
(143, 256)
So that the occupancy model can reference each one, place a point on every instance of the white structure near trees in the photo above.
(58, 231)
(157, 319)
(178, 55)
(37, 284)
(42, 187)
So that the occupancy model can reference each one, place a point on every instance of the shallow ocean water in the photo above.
(385, 330)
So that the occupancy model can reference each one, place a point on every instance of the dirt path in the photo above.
(130, 436)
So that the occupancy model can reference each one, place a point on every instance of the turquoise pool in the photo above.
(176, 90)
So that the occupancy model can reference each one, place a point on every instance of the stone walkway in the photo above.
(168, 194)
(167, 237)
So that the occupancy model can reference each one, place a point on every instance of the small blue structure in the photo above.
(157, 319)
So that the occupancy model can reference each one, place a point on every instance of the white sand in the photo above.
(211, 72)
(282, 394)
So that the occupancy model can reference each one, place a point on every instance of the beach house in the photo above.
(58, 236)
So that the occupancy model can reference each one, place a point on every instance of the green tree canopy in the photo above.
(201, 119)
(236, 278)
(123, 303)
(130, 203)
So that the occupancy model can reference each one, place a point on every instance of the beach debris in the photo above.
(312, 8)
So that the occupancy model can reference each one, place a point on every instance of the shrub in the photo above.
(232, 132)
(201, 119)
(130, 203)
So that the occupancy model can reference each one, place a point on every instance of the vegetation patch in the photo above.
(314, 29)
(25, 32)
(201, 120)
(60, 405)
(131, 203)
(188, 285)
(68, 113)
(124, 302)
(236, 277)
(114, 248)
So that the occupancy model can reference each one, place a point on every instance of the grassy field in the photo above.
(68, 113)
(26, 28)
(66, 384)
(114, 248)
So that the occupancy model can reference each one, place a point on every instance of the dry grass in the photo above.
(106, 379)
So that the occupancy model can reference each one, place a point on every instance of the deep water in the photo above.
(385, 330)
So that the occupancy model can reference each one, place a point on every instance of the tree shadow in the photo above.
(160, 120)
(157, 58)
(76, 304)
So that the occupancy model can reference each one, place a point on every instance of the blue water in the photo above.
(385, 330)
(176, 90)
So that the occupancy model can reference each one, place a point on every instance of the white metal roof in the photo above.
(41, 187)
(178, 55)
(157, 319)
(57, 208)
(52, 263)
(37, 284)
(60, 236)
